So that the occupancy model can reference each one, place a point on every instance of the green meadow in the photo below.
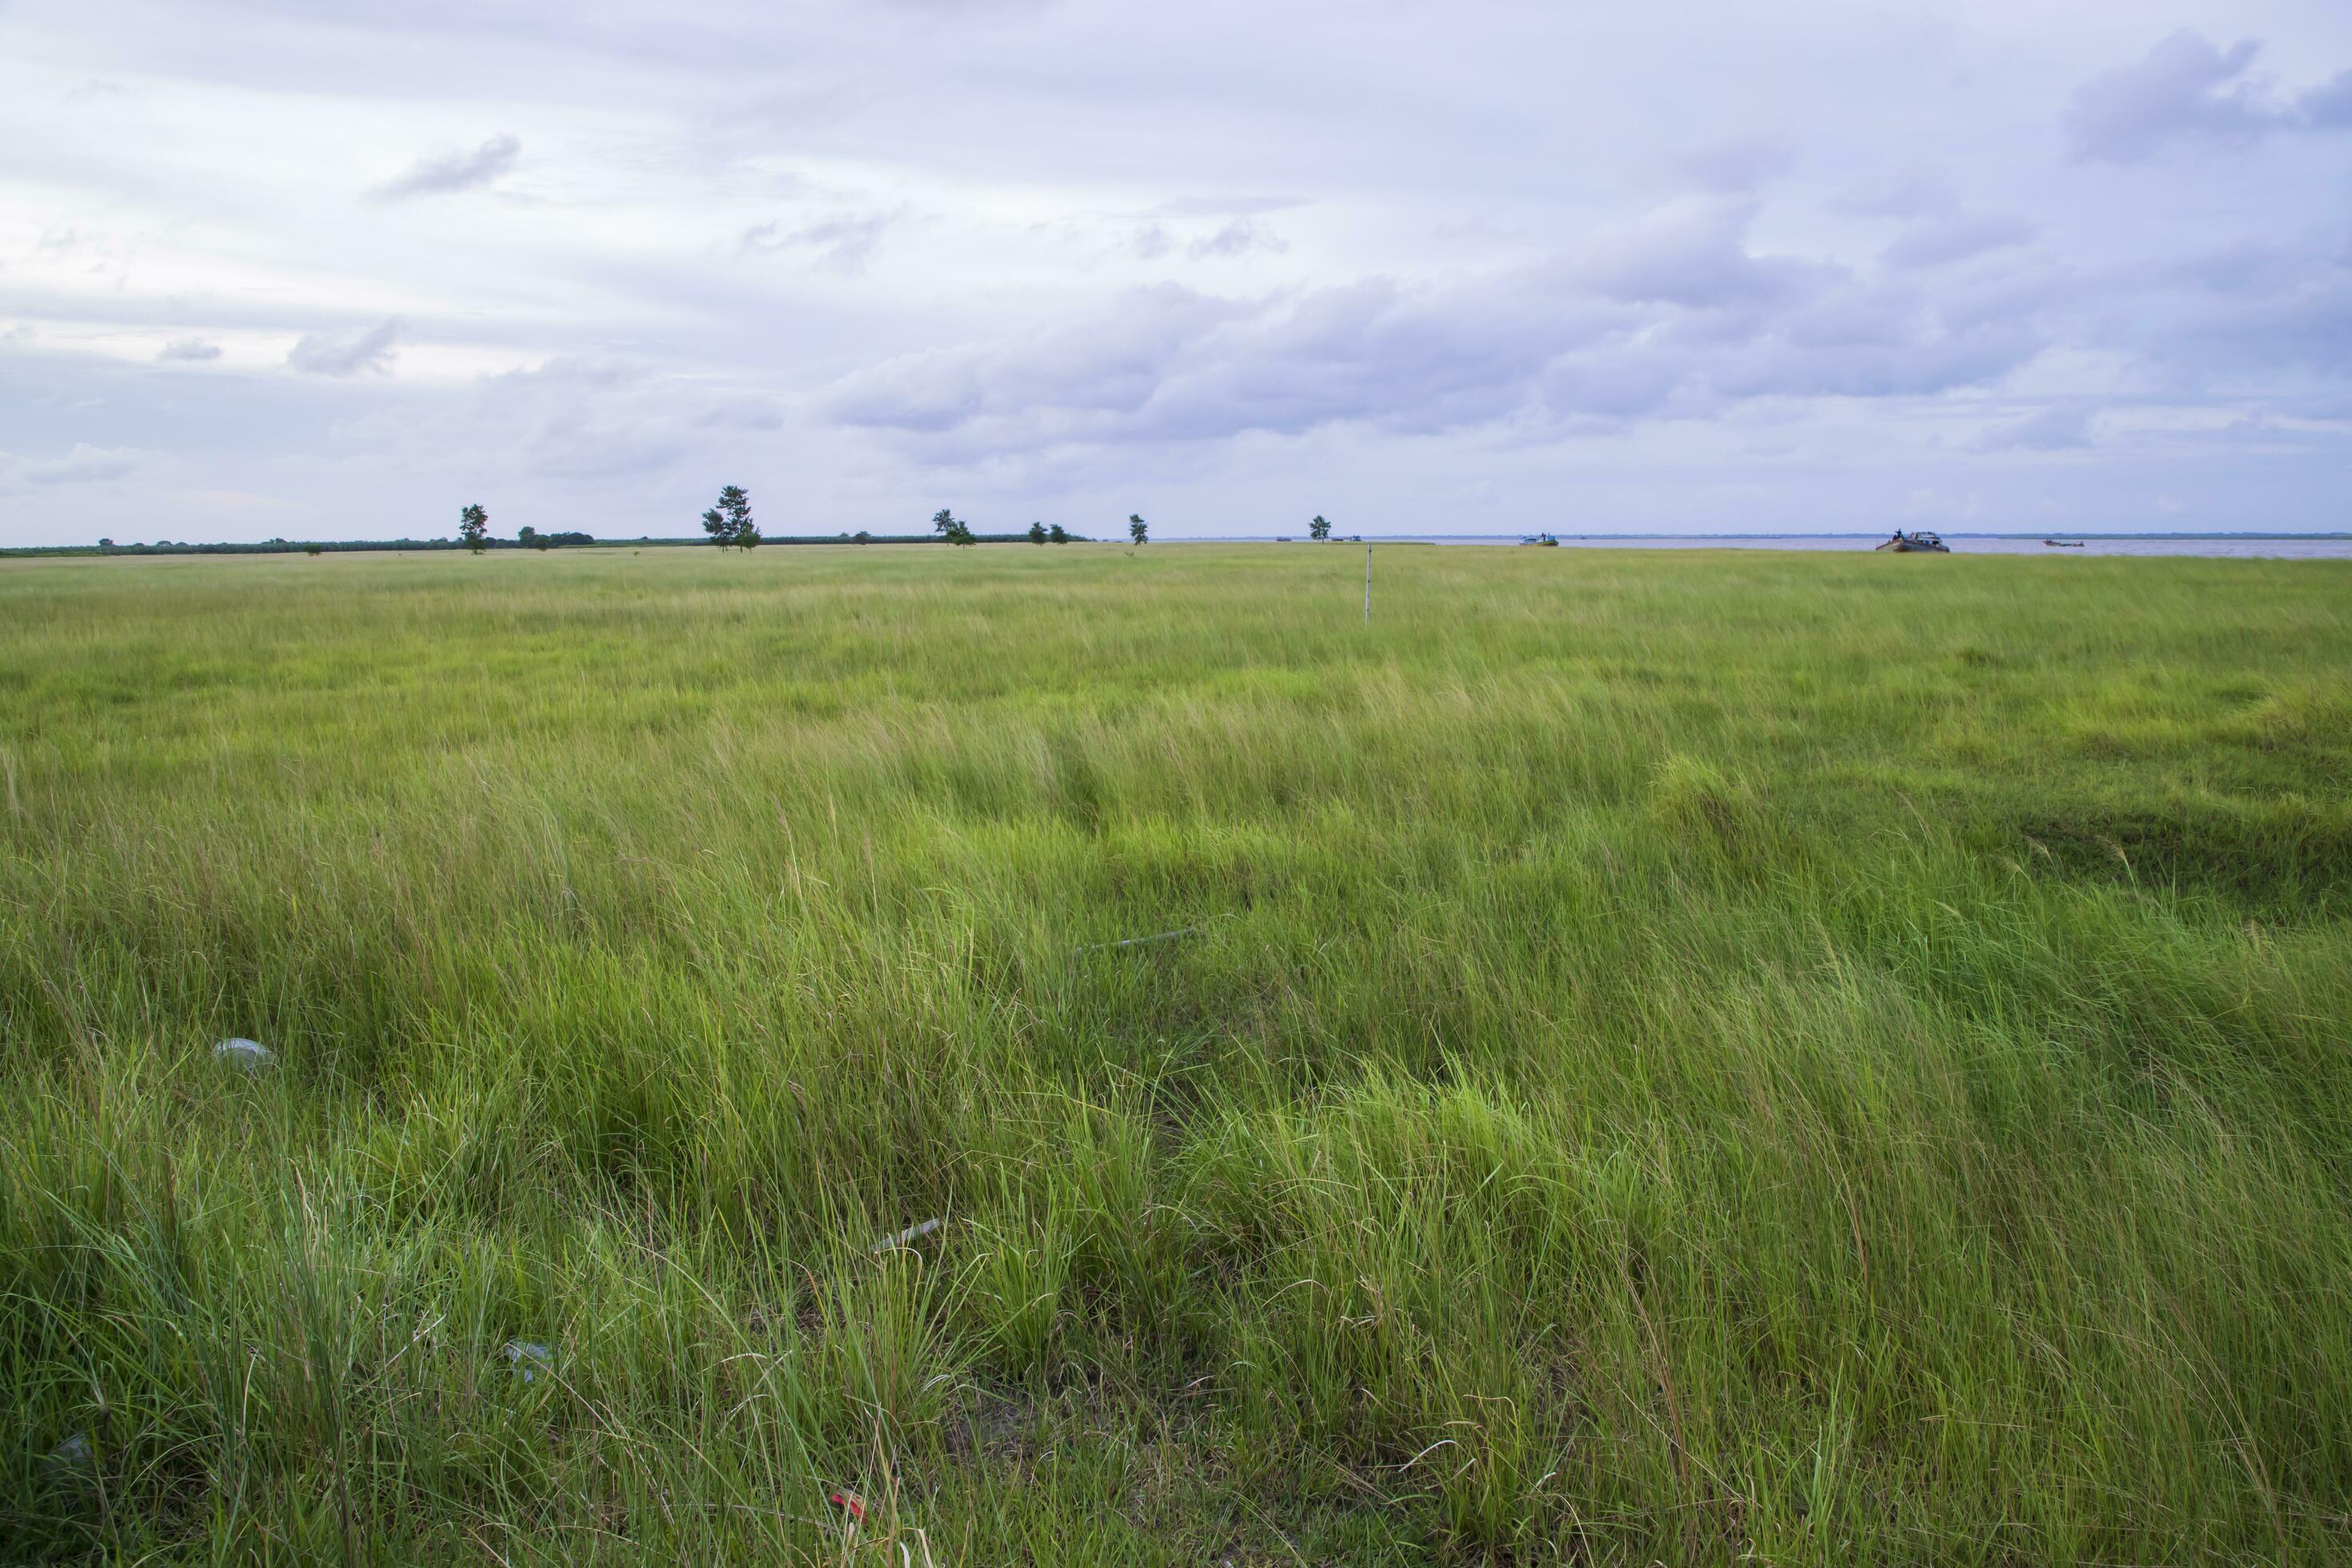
(1650, 1056)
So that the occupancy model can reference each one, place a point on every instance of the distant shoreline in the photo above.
(447, 546)
(1686, 538)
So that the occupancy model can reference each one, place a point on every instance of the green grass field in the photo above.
(1678, 1057)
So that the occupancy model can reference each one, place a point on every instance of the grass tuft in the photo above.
(1660, 1057)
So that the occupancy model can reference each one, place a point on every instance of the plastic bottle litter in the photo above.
(913, 1233)
(74, 1454)
(250, 1054)
(529, 1358)
(849, 1503)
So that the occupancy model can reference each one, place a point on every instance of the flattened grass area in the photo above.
(1672, 1057)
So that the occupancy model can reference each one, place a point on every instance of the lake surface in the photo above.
(2337, 547)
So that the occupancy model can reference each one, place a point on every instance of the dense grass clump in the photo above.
(1673, 1058)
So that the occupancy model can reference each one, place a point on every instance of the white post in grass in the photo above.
(1367, 582)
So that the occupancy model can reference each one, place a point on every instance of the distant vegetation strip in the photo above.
(541, 542)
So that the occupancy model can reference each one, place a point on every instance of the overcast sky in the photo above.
(315, 269)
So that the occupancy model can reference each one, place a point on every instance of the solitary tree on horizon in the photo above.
(950, 526)
(474, 528)
(729, 523)
(1137, 529)
(1320, 527)
(1057, 534)
(1036, 533)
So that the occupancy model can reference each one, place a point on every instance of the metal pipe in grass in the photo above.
(1140, 940)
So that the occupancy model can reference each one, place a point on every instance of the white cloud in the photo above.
(2057, 429)
(575, 418)
(2327, 107)
(347, 354)
(1692, 253)
(84, 465)
(846, 244)
(1738, 167)
(1955, 237)
(1238, 257)
(1674, 312)
(2188, 88)
(1240, 238)
(441, 172)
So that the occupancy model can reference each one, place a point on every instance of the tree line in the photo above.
(728, 525)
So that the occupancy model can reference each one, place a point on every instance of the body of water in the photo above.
(2291, 547)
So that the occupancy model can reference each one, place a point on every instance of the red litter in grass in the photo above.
(849, 1503)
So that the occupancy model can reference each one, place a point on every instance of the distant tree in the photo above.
(474, 528)
(951, 527)
(1137, 530)
(106, 544)
(729, 523)
(863, 536)
(1320, 527)
(313, 549)
(1036, 533)
(1058, 534)
(738, 507)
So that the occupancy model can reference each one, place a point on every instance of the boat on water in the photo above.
(1903, 543)
(1541, 539)
(2064, 543)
